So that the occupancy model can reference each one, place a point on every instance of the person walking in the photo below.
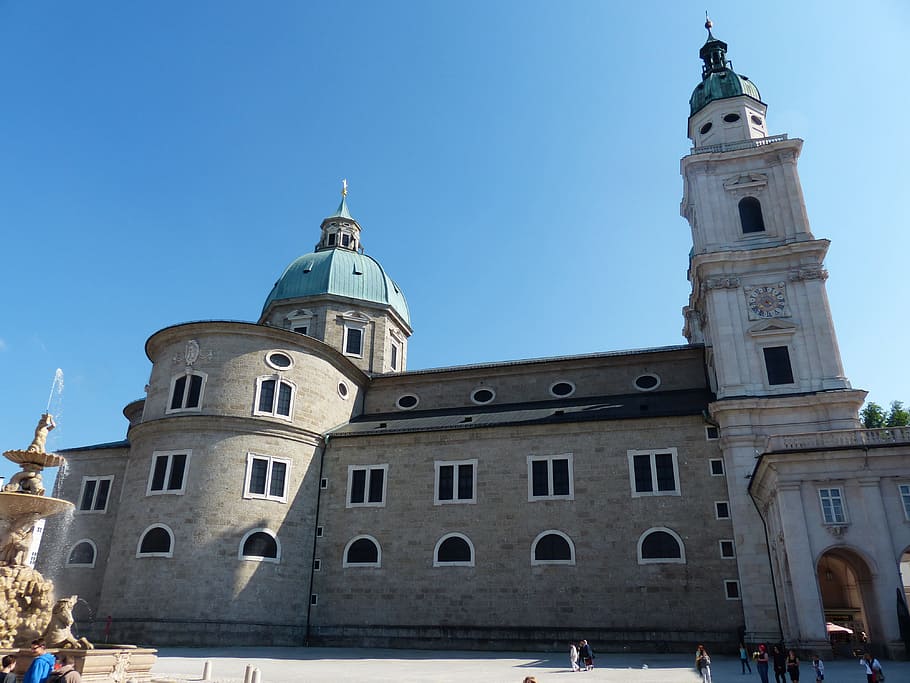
(819, 666)
(874, 673)
(588, 655)
(761, 663)
(744, 658)
(703, 664)
(573, 657)
(779, 660)
(793, 666)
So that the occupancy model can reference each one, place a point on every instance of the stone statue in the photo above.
(58, 632)
(28, 480)
(45, 424)
(14, 551)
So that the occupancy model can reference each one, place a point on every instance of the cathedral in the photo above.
(289, 481)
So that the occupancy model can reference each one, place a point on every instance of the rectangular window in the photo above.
(550, 477)
(95, 493)
(366, 485)
(717, 467)
(275, 397)
(301, 329)
(654, 473)
(777, 363)
(266, 477)
(722, 509)
(455, 482)
(168, 472)
(186, 392)
(712, 433)
(353, 341)
(905, 498)
(319, 532)
(317, 565)
(393, 356)
(727, 550)
(731, 589)
(832, 506)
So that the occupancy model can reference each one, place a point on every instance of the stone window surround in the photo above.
(377, 563)
(279, 380)
(557, 383)
(661, 560)
(186, 390)
(711, 462)
(250, 458)
(170, 532)
(550, 459)
(259, 558)
(717, 504)
(91, 509)
(301, 319)
(455, 500)
(727, 556)
(535, 562)
(275, 366)
(352, 320)
(369, 468)
(903, 490)
(442, 539)
(167, 472)
(839, 496)
(80, 565)
(734, 584)
(652, 453)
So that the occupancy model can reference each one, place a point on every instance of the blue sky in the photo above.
(514, 166)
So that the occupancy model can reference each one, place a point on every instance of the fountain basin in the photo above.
(23, 507)
(41, 459)
(106, 663)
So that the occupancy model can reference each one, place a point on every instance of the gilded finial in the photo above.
(708, 24)
(344, 188)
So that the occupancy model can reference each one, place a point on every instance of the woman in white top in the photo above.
(873, 668)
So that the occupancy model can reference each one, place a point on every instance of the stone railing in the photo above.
(733, 146)
(841, 438)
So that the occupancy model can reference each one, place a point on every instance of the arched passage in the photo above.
(847, 591)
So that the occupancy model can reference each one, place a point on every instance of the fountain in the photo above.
(27, 608)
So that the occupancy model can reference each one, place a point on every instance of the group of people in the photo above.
(45, 667)
(786, 665)
(581, 656)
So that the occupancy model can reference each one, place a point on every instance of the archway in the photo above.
(846, 589)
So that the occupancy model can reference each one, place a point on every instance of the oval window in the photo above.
(407, 401)
(756, 120)
(705, 128)
(562, 389)
(647, 382)
(482, 395)
(342, 390)
(279, 361)
(731, 118)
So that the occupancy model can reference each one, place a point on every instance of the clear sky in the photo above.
(514, 165)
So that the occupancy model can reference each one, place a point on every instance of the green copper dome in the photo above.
(719, 81)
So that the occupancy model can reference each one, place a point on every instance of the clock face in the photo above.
(767, 302)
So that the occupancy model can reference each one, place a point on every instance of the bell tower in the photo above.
(758, 301)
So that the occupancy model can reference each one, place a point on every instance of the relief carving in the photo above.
(812, 273)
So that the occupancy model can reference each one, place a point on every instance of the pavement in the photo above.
(346, 665)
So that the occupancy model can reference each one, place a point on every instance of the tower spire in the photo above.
(713, 52)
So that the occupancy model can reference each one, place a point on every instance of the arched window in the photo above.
(156, 541)
(552, 547)
(660, 545)
(750, 215)
(260, 545)
(186, 391)
(362, 551)
(82, 554)
(454, 550)
(274, 396)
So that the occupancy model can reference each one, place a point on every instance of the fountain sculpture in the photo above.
(27, 607)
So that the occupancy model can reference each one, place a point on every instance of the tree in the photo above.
(874, 416)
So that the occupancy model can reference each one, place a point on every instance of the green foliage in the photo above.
(874, 416)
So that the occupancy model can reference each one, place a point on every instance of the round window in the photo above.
(407, 401)
(731, 118)
(756, 120)
(342, 390)
(482, 395)
(705, 128)
(279, 361)
(562, 389)
(647, 382)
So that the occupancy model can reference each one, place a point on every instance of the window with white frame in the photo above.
(156, 541)
(550, 477)
(95, 493)
(453, 550)
(394, 354)
(82, 554)
(904, 490)
(274, 397)
(366, 485)
(717, 467)
(186, 392)
(362, 551)
(727, 549)
(832, 501)
(260, 545)
(353, 338)
(731, 589)
(266, 477)
(654, 472)
(168, 472)
(721, 509)
(552, 547)
(456, 482)
(661, 545)
(301, 322)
